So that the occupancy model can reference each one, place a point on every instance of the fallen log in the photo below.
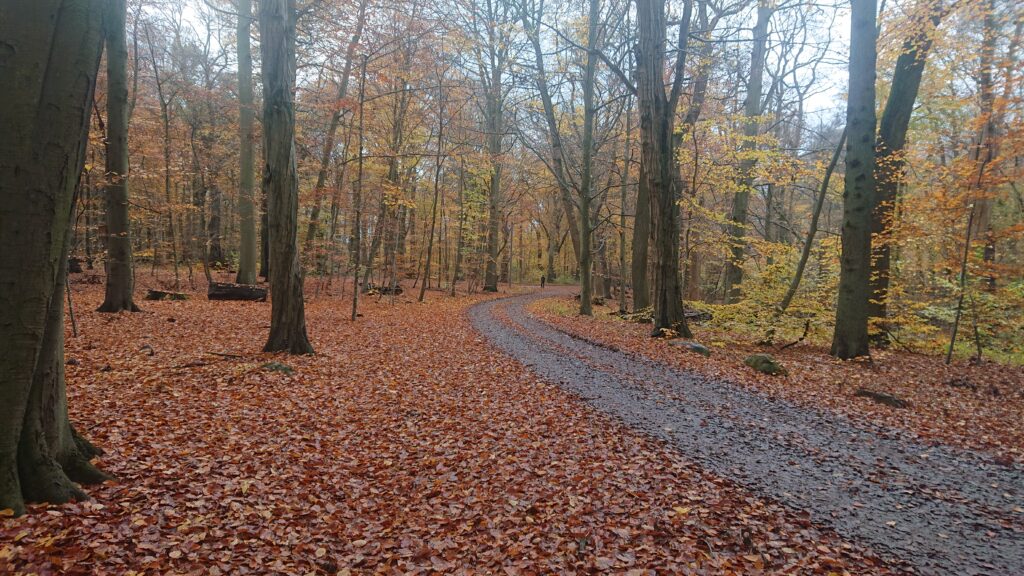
(229, 291)
(165, 295)
(882, 398)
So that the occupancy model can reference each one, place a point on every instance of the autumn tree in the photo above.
(246, 164)
(850, 338)
(120, 281)
(752, 110)
(52, 55)
(890, 157)
(658, 163)
(280, 181)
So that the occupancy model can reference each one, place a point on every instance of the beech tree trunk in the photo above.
(51, 68)
(850, 338)
(641, 243)
(889, 160)
(494, 127)
(280, 180)
(586, 256)
(532, 25)
(741, 200)
(246, 178)
(658, 163)
(120, 282)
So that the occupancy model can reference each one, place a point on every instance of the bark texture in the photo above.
(658, 164)
(890, 165)
(850, 338)
(120, 283)
(49, 57)
(246, 178)
(280, 180)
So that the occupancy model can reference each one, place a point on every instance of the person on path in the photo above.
(542, 281)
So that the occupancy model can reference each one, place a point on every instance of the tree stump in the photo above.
(229, 291)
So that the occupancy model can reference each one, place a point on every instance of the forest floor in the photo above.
(976, 406)
(942, 509)
(407, 444)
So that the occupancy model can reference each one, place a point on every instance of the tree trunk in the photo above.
(120, 281)
(623, 197)
(456, 269)
(641, 241)
(741, 200)
(656, 129)
(246, 179)
(586, 180)
(494, 127)
(532, 25)
(280, 181)
(54, 57)
(984, 148)
(332, 130)
(889, 157)
(357, 197)
(438, 164)
(215, 253)
(851, 332)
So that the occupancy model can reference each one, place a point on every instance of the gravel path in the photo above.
(939, 509)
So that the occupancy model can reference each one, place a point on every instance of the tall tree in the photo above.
(280, 180)
(332, 129)
(658, 164)
(532, 22)
(120, 282)
(586, 192)
(850, 338)
(890, 163)
(752, 109)
(246, 178)
(51, 58)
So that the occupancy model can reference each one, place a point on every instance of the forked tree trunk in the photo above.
(280, 181)
(53, 63)
(850, 338)
(656, 130)
(246, 179)
(120, 282)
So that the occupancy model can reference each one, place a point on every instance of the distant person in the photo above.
(543, 281)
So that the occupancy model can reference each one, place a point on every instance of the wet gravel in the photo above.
(937, 509)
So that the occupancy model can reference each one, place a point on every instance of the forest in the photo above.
(511, 286)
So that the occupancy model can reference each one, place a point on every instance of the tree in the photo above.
(850, 338)
(246, 183)
(332, 128)
(52, 55)
(752, 109)
(586, 193)
(658, 170)
(280, 181)
(890, 163)
(120, 282)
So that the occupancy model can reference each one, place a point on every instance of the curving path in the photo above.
(938, 509)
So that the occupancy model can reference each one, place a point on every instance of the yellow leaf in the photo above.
(321, 552)
(682, 510)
